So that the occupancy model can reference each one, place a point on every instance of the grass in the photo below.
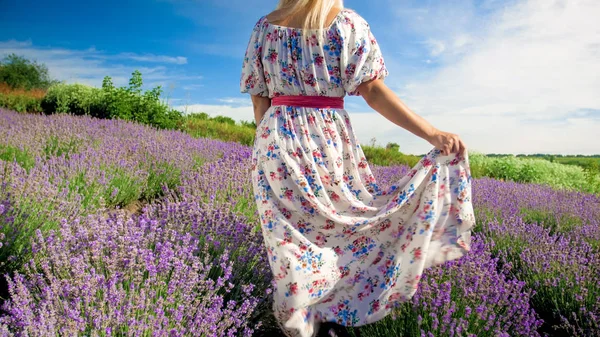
(219, 130)
(21, 156)
(21, 100)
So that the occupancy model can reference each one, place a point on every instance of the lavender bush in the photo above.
(574, 214)
(551, 239)
(564, 271)
(84, 166)
(225, 180)
(30, 203)
(105, 276)
(464, 297)
(191, 262)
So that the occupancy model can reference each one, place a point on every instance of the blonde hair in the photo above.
(316, 11)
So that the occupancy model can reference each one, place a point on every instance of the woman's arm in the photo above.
(383, 100)
(261, 105)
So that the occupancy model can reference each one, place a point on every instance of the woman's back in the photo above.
(341, 248)
(282, 60)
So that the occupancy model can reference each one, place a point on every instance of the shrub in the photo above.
(388, 156)
(20, 73)
(127, 103)
(251, 124)
(224, 119)
(198, 115)
(537, 171)
(76, 99)
(211, 128)
(128, 277)
(20, 102)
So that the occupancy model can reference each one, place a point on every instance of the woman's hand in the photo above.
(447, 142)
(383, 100)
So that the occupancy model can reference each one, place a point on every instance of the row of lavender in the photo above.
(192, 263)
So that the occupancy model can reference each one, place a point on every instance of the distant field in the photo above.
(582, 161)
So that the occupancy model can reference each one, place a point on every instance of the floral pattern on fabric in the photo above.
(290, 61)
(340, 247)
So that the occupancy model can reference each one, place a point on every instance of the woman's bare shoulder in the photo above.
(270, 16)
(352, 17)
(336, 12)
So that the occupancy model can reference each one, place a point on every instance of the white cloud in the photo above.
(509, 80)
(436, 47)
(155, 58)
(461, 41)
(192, 87)
(236, 100)
(237, 113)
(89, 66)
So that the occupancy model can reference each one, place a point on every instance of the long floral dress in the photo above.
(340, 247)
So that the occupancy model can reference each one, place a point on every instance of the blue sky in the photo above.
(508, 76)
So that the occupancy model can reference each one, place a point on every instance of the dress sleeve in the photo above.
(361, 59)
(253, 79)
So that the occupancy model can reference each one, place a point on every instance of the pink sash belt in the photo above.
(320, 102)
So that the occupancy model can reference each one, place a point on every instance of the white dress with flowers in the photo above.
(340, 247)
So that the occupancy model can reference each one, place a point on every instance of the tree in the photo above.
(135, 82)
(20, 73)
(392, 146)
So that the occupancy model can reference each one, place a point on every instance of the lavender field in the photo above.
(110, 228)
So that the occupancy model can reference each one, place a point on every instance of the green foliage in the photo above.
(224, 119)
(556, 223)
(537, 171)
(89, 191)
(20, 73)
(21, 156)
(197, 115)
(591, 171)
(203, 116)
(576, 160)
(199, 125)
(160, 175)
(20, 103)
(76, 99)
(56, 148)
(251, 124)
(128, 103)
(122, 188)
(388, 156)
(392, 146)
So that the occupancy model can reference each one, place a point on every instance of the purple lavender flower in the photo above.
(131, 276)
(192, 262)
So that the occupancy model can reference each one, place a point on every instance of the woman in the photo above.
(342, 250)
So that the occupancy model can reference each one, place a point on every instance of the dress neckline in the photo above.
(337, 16)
